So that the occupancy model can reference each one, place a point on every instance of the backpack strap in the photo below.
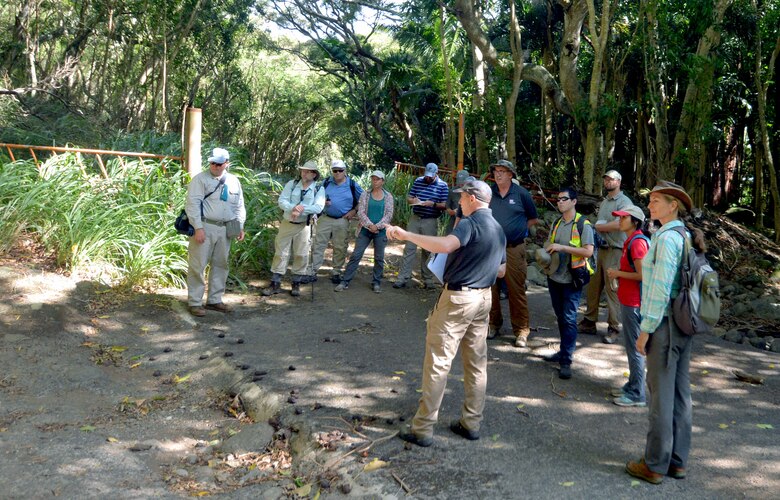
(628, 249)
(353, 188)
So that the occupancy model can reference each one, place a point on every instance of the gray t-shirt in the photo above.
(614, 239)
(563, 237)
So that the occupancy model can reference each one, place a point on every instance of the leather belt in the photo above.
(461, 288)
(214, 222)
(330, 216)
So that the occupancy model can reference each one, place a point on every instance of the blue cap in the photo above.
(431, 169)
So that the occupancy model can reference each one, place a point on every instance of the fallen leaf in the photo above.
(400, 372)
(771, 366)
(88, 343)
(104, 317)
(704, 372)
(307, 357)
(395, 378)
(87, 428)
(494, 437)
(567, 484)
(375, 464)
(520, 406)
(213, 433)
(316, 495)
(144, 328)
(3, 429)
(135, 365)
(418, 390)
(232, 432)
(203, 493)
(303, 491)
(634, 483)
(723, 426)
(118, 348)
(179, 380)
(764, 426)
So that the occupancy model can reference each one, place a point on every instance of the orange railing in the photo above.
(410, 168)
(97, 152)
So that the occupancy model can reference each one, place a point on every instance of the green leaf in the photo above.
(87, 428)
(764, 426)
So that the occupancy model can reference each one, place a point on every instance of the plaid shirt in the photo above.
(660, 275)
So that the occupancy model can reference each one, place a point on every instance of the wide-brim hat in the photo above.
(506, 164)
(674, 190)
(311, 165)
(548, 262)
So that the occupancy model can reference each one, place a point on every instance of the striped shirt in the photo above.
(660, 275)
(436, 191)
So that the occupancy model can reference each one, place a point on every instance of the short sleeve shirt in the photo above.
(482, 250)
(437, 192)
(630, 291)
(563, 237)
(614, 239)
(513, 212)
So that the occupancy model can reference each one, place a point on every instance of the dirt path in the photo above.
(136, 425)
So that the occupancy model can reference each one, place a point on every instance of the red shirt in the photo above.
(630, 291)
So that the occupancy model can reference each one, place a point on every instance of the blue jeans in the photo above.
(565, 301)
(364, 238)
(634, 389)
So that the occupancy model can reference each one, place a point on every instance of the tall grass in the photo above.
(120, 230)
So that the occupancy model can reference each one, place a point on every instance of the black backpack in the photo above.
(182, 222)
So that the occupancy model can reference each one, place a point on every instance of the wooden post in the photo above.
(461, 134)
(192, 133)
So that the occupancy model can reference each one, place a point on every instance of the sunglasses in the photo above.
(562, 198)
(337, 170)
(217, 164)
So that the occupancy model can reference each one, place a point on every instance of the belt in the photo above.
(428, 216)
(214, 222)
(291, 222)
(330, 216)
(461, 288)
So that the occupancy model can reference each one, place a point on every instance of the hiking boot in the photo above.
(219, 306)
(296, 289)
(611, 337)
(276, 287)
(587, 326)
(399, 284)
(677, 472)
(461, 431)
(341, 287)
(641, 471)
(376, 288)
(411, 437)
(493, 332)
(197, 311)
(553, 358)
(564, 372)
(625, 401)
(335, 279)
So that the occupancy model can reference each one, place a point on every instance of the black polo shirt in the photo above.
(513, 212)
(482, 250)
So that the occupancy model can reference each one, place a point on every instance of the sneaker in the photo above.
(399, 284)
(521, 342)
(341, 287)
(197, 311)
(587, 326)
(553, 358)
(335, 279)
(641, 471)
(413, 438)
(461, 431)
(564, 372)
(219, 306)
(616, 393)
(677, 472)
(611, 337)
(493, 332)
(626, 401)
(296, 289)
(376, 288)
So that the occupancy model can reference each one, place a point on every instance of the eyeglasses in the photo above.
(217, 164)
(562, 198)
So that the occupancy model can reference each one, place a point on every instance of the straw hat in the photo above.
(674, 190)
(549, 262)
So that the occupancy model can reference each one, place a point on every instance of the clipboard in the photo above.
(436, 263)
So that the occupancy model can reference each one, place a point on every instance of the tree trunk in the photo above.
(659, 160)
(478, 103)
(449, 120)
(517, 75)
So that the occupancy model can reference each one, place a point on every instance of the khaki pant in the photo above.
(297, 237)
(459, 320)
(214, 251)
(608, 258)
(429, 227)
(336, 231)
(516, 270)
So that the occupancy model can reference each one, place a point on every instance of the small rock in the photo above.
(221, 335)
(140, 447)
(291, 368)
(298, 410)
(260, 373)
(758, 343)
(316, 406)
(203, 356)
(239, 341)
(182, 473)
(192, 459)
(324, 483)
(156, 373)
(733, 336)
(228, 354)
(244, 367)
(256, 378)
(292, 400)
(167, 349)
(345, 488)
(152, 358)
(775, 347)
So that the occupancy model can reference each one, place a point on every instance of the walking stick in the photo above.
(311, 252)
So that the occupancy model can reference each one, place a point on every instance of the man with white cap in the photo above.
(300, 200)
(215, 206)
(459, 321)
(428, 198)
(610, 250)
(341, 199)
(375, 212)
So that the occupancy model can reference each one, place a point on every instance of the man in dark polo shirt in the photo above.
(427, 197)
(460, 317)
(515, 211)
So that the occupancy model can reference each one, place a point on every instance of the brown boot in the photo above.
(642, 471)
(276, 287)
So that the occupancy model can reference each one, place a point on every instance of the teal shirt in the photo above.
(376, 209)
(660, 275)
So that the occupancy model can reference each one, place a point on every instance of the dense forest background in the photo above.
(567, 89)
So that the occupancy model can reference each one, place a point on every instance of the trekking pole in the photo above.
(311, 253)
